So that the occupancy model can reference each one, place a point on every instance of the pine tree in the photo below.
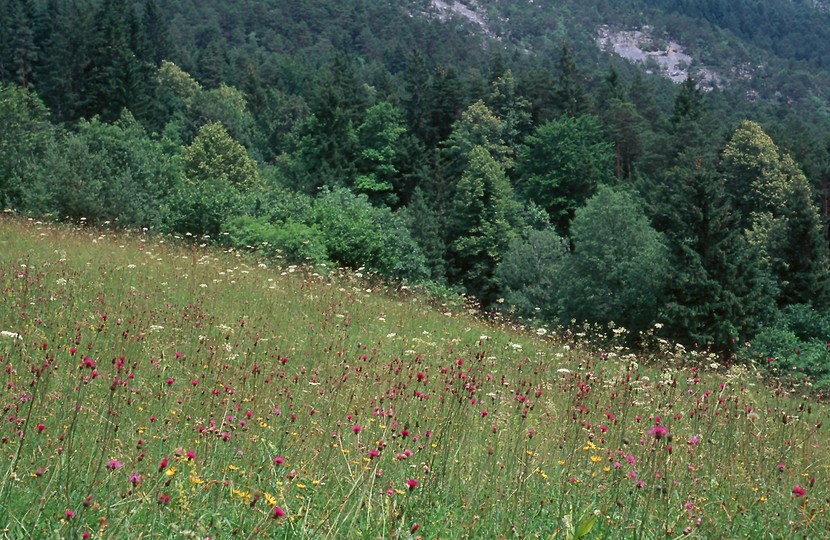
(511, 107)
(720, 292)
(691, 127)
(416, 99)
(783, 220)
(446, 103)
(329, 147)
(570, 88)
(61, 32)
(157, 45)
(480, 225)
(115, 77)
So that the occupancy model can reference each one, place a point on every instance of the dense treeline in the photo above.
(354, 133)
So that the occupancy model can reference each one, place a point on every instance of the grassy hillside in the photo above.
(153, 390)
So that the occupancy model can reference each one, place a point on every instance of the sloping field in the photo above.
(155, 389)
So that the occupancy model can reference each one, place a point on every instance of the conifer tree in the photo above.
(570, 88)
(416, 99)
(783, 220)
(720, 292)
(480, 226)
(328, 148)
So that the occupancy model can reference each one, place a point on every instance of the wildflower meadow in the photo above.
(158, 388)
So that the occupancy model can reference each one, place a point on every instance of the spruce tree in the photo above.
(328, 148)
(570, 86)
(720, 292)
(480, 224)
(783, 220)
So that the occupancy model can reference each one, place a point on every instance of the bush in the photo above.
(360, 234)
(108, 172)
(294, 242)
(781, 350)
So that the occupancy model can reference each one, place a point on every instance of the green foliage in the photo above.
(428, 229)
(216, 158)
(797, 343)
(203, 208)
(220, 181)
(226, 105)
(24, 139)
(720, 292)
(293, 242)
(783, 221)
(619, 265)
(481, 223)
(379, 137)
(530, 275)
(359, 234)
(110, 172)
(570, 91)
(328, 147)
(477, 127)
(562, 164)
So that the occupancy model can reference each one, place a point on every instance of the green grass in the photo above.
(155, 382)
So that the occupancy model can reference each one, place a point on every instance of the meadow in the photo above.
(159, 388)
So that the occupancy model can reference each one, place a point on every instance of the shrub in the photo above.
(295, 242)
(360, 234)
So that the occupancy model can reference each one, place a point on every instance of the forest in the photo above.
(530, 171)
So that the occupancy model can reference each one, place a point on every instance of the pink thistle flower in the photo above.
(69, 513)
(279, 460)
(356, 429)
(798, 491)
(170, 381)
(114, 464)
(163, 464)
(40, 428)
(135, 479)
(781, 467)
(278, 512)
(190, 455)
(658, 432)
(373, 453)
(164, 498)
(412, 484)
(694, 440)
